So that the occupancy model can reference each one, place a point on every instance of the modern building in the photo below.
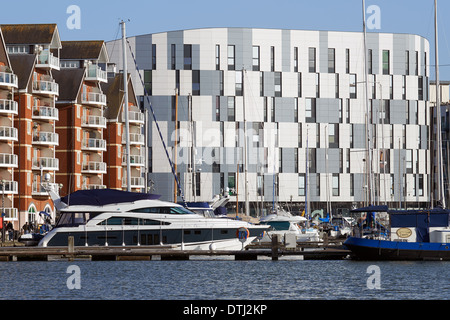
(287, 110)
(34, 54)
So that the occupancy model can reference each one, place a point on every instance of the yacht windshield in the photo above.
(72, 219)
(166, 210)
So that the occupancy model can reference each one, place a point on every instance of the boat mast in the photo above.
(368, 125)
(175, 189)
(125, 106)
(440, 196)
(247, 206)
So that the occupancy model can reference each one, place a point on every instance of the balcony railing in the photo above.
(134, 117)
(8, 79)
(8, 106)
(94, 144)
(8, 160)
(8, 187)
(41, 112)
(136, 182)
(45, 87)
(46, 138)
(93, 98)
(135, 160)
(45, 163)
(94, 121)
(38, 189)
(94, 167)
(93, 186)
(135, 138)
(94, 73)
(47, 60)
(8, 133)
(10, 213)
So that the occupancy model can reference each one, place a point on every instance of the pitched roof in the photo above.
(70, 82)
(23, 66)
(114, 95)
(29, 33)
(83, 50)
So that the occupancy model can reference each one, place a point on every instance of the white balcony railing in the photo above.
(46, 59)
(94, 121)
(94, 144)
(93, 98)
(39, 190)
(95, 73)
(8, 160)
(9, 187)
(46, 138)
(135, 138)
(8, 79)
(135, 160)
(10, 213)
(8, 106)
(94, 167)
(134, 117)
(45, 163)
(136, 182)
(45, 87)
(93, 186)
(8, 133)
(42, 112)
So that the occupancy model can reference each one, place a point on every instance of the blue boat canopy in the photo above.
(101, 197)
(371, 208)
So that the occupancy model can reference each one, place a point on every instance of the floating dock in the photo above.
(305, 251)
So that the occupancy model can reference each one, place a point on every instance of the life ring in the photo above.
(242, 233)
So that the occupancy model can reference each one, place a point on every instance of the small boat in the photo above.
(413, 235)
(283, 223)
(108, 217)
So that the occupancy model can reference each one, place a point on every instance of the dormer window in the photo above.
(18, 49)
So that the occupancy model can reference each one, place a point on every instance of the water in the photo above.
(219, 279)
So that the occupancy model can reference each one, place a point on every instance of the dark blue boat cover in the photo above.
(101, 197)
(419, 219)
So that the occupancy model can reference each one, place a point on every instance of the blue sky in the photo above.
(100, 19)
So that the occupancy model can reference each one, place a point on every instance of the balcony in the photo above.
(47, 60)
(46, 138)
(94, 122)
(45, 87)
(8, 79)
(136, 182)
(37, 189)
(135, 138)
(94, 167)
(8, 107)
(94, 145)
(45, 113)
(8, 160)
(92, 186)
(8, 134)
(95, 73)
(10, 213)
(134, 117)
(9, 187)
(93, 98)
(135, 160)
(45, 163)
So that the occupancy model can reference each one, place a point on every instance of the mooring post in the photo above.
(275, 247)
(70, 247)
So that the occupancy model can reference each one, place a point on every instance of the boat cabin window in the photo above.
(166, 210)
(127, 221)
(73, 219)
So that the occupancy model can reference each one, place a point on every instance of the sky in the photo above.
(99, 19)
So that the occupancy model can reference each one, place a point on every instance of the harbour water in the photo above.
(224, 279)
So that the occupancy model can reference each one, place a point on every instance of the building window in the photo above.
(232, 183)
(153, 56)
(312, 160)
(420, 87)
(404, 88)
(312, 59)
(278, 84)
(420, 184)
(317, 85)
(255, 59)
(261, 84)
(336, 85)
(231, 58)
(217, 108)
(173, 57)
(374, 86)
(300, 135)
(407, 62)
(386, 66)
(310, 110)
(335, 183)
(272, 109)
(391, 87)
(272, 59)
(217, 57)
(347, 60)
(197, 184)
(352, 185)
(187, 57)
(416, 63)
(409, 161)
(299, 84)
(221, 82)
(384, 112)
(196, 82)
(295, 59)
(370, 62)
(231, 109)
(280, 160)
(148, 81)
(333, 135)
(238, 83)
(353, 91)
(265, 109)
(331, 60)
(295, 110)
(301, 184)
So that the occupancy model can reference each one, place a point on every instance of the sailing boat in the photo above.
(414, 234)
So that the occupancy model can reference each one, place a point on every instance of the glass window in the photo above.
(231, 58)
(386, 66)
(231, 109)
(301, 184)
(310, 110)
(255, 59)
(188, 57)
(278, 84)
(196, 82)
(331, 60)
(154, 56)
(353, 91)
(217, 57)
(312, 59)
(347, 60)
(335, 183)
(173, 56)
(239, 88)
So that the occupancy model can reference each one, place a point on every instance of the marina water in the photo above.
(225, 279)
